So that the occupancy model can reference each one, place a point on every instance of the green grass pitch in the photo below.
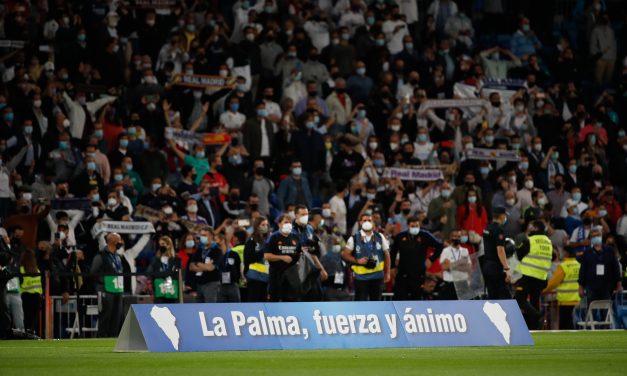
(564, 353)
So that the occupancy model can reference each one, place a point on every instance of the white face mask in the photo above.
(286, 228)
(529, 184)
(95, 211)
(366, 226)
(326, 213)
(167, 210)
(336, 248)
(112, 202)
(62, 235)
(192, 208)
(511, 202)
(303, 220)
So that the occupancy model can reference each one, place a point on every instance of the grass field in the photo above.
(575, 353)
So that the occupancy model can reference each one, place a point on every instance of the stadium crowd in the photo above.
(231, 140)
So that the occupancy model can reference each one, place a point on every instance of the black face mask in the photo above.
(339, 91)
(496, 104)
(406, 211)
(598, 176)
(312, 93)
(163, 249)
(25, 209)
(558, 185)
(62, 193)
(234, 197)
(119, 246)
(259, 170)
(469, 184)
(456, 242)
(254, 207)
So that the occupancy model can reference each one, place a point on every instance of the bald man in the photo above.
(110, 287)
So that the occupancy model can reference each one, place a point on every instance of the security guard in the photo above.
(110, 287)
(368, 252)
(565, 279)
(309, 242)
(496, 271)
(411, 246)
(535, 263)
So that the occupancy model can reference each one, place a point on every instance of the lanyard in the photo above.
(225, 262)
(117, 263)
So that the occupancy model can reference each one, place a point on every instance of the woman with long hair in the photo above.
(471, 215)
(255, 267)
(165, 287)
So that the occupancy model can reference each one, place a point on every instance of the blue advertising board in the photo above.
(323, 325)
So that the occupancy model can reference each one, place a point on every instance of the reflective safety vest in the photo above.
(537, 263)
(371, 249)
(258, 271)
(568, 290)
(31, 285)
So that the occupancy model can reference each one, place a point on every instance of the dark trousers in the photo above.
(257, 291)
(110, 314)
(408, 287)
(368, 290)
(447, 292)
(494, 279)
(566, 317)
(5, 318)
(31, 304)
(528, 291)
(279, 289)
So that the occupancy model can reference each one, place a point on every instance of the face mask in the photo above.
(234, 107)
(366, 226)
(190, 243)
(286, 228)
(262, 113)
(37, 103)
(95, 198)
(537, 147)
(414, 231)
(200, 154)
(380, 42)
(529, 184)
(555, 156)
(118, 177)
(395, 127)
(9, 117)
(489, 139)
(572, 169)
(336, 248)
(472, 199)
(361, 71)
(446, 193)
(422, 137)
(394, 146)
(112, 202)
(596, 240)
(484, 170)
(63, 145)
(151, 106)
(95, 211)
(99, 133)
(91, 166)
(464, 239)
(510, 202)
(593, 140)
(523, 165)
(28, 129)
(576, 196)
(525, 28)
(204, 240)
(326, 212)
(192, 209)
(297, 171)
(168, 210)
(515, 146)
(264, 229)
(602, 213)
(542, 201)
(520, 108)
(124, 144)
(155, 187)
(223, 72)
(303, 220)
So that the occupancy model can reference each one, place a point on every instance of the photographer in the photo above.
(368, 252)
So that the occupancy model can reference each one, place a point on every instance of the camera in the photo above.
(371, 263)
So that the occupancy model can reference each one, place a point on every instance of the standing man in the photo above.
(496, 271)
(600, 271)
(412, 246)
(309, 242)
(564, 280)
(455, 263)
(535, 263)
(368, 252)
(110, 287)
(205, 262)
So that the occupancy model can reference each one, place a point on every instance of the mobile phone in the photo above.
(243, 222)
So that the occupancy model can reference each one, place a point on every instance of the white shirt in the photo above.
(352, 20)
(385, 244)
(338, 207)
(394, 40)
(422, 152)
(318, 32)
(454, 255)
(232, 120)
(273, 108)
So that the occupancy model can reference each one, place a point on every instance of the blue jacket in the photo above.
(288, 192)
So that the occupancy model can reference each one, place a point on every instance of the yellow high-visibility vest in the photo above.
(31, 285)
(568, 290)
(537, 263)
